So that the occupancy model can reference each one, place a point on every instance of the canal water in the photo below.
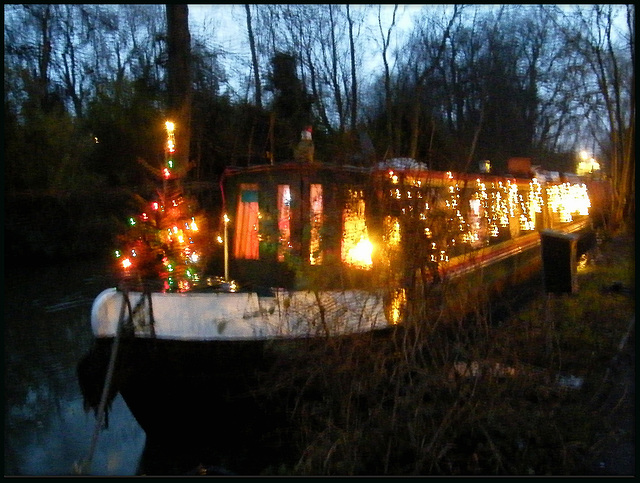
(46, 332)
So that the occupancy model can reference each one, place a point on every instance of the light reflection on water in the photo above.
(46, 332)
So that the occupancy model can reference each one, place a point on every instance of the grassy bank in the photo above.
(464, 395)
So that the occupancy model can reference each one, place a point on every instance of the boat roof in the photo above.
(405, 166)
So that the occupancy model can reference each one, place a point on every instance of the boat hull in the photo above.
(173, 386)
(212, 402)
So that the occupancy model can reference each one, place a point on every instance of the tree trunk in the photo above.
(179, 82)
(386, 38)
(254, 58)
(354, 81)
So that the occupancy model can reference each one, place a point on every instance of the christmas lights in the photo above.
(166, 247)
(459, 217)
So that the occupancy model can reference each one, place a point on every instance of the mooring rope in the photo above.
(85, 468)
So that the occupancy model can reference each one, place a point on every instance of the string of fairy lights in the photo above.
(493, 207)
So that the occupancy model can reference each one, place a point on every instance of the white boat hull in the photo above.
(237, 316)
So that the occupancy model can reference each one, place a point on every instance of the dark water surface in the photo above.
(46, 332)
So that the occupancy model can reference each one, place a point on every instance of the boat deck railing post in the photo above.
(226, 249)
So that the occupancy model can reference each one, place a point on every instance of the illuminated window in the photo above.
(566, 200)
(391, 237)
(356, 247)
(315, 256)
(474, 206)
(474, 222)
(530, 206)
(392, 231)
(245, 244)
(284, 220)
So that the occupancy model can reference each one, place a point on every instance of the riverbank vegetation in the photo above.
(522, 394)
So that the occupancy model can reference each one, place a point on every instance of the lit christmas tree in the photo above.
(166, 245)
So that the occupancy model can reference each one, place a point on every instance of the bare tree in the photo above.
(427, 71)
(605, 37)
(386, 39)
(493, 84)
(29, 46)
(324, 38)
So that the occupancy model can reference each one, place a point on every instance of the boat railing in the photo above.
(140, 315)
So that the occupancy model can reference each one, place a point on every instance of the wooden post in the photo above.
(226, 249)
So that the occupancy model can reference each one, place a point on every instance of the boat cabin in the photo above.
(327, 227)
(294, 223)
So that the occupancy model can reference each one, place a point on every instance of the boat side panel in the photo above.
(220, 316)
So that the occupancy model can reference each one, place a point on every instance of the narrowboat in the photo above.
(313, 249)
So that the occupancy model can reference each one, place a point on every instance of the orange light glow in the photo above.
(284, 220)
(360, 255)
(356, 247)
(398, 301)
(567, 200)
(315, 255)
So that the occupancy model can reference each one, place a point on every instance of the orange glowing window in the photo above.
(315, 255)
(246, 241)
(356, 247)
(284, 220)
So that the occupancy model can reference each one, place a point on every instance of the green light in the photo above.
(132, 222)
(118, 253)
(170, 163)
